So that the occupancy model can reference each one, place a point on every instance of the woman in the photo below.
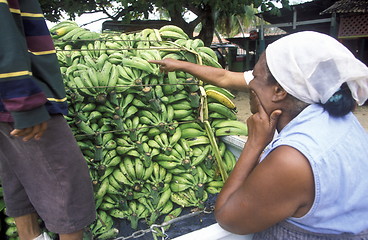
(308, 181)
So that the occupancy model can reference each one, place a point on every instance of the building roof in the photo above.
(305, 12)
(348, 6)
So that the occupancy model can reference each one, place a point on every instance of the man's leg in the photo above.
(72, 236)
(28, 226)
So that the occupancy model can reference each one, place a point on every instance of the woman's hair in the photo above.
(341, 102)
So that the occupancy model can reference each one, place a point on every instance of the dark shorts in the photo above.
(49, 176)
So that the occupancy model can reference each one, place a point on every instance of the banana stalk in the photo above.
(216, 151)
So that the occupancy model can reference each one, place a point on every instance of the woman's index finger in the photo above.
(155, 61)
(262, 112)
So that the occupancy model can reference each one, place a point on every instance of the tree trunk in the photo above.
(208, 25)
(178, 20)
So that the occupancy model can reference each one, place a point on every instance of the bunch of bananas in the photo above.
(11, 231)
(69, 31)
(151, 139)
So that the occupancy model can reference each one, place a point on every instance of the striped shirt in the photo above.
(31, 86)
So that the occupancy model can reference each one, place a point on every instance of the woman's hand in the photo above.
(35, 132)
(167, 64)
(261, 127)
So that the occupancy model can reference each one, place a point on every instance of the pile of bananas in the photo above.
(151, 139)
(69, 31)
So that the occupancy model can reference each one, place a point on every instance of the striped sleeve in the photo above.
(20, 93)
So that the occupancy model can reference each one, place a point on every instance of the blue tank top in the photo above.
(337, 150)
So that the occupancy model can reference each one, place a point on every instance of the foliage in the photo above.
(208, 12)
(231, 25)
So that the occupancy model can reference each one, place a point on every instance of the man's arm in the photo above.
(19, 92)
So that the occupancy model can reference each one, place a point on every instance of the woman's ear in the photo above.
(279, 93)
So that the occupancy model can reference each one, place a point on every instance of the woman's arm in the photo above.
(258, 195)
(281, 186)
(211, 75)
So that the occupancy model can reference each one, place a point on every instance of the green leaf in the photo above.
(2, 205)
(257, 3)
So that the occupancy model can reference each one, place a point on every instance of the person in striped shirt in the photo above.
(43, 172)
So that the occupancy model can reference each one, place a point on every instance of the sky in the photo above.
(87, 18)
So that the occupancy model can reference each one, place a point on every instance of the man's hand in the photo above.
(35, 132)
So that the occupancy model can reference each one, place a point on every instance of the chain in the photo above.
(161, 233)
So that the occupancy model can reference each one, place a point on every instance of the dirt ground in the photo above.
(242, 105)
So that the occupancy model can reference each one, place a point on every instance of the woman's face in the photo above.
(253, 102)
(261, 91)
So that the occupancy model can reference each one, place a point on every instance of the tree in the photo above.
(231, 25)
(207, 11)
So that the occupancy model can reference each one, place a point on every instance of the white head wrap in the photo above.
(312, 66)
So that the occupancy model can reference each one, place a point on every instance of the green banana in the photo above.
(200, 140)
(168, 34)
(121, 178)
(102, 189)
(109, 234)
(200, 158)
(138, 63)
(226, 131)
(224, 91)
(209, 60)
(223, 110)
(178, 187)
(178, 199)
(170, 87)
(117, 213)
(213, 190)
(230, 160)
(62, 24)
(192, 133)
(105, 74)
(173, 214)
(164, 198)
(206, 50)
(139, 168)
(169, 164)
(129, 166)
(197, 43)
(230, 123)
(181, 114)
(182, 105)
(66, 33)
(175, 137)
(177, 97)
(173, 28)
(195, 125)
